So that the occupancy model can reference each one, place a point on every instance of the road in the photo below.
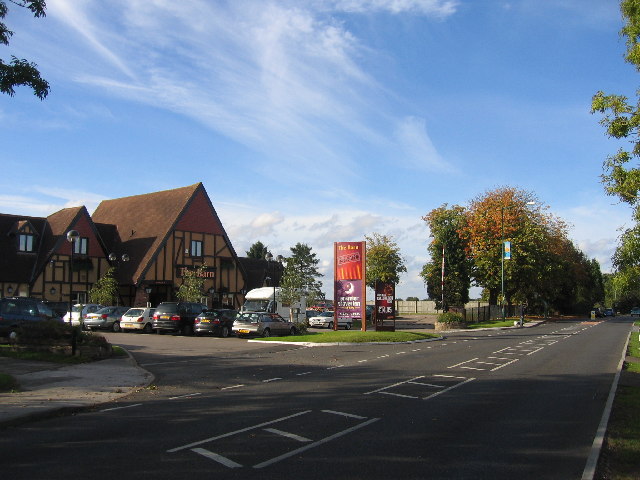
(518, 403)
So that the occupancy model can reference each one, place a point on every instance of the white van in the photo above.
(262, 300)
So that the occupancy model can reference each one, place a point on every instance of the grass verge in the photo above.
(351, 336)
(621, 449)
(6, 351)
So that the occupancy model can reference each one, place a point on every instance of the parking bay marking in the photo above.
(194, 447)
(414, 381)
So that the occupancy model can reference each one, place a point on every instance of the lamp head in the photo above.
(72, 235)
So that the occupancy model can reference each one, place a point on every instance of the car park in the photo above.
(217, 321)
(79, 311)
(138, 318)
(325, 320)
(107, 318)
(262, 324)
(176, 317)
(19, 311)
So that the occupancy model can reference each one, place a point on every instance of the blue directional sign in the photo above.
(507, 250)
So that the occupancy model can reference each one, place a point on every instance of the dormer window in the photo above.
(25, 242)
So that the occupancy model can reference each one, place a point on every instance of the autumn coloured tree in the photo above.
(536, 240)
(448, 251)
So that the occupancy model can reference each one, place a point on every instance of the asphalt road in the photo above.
(478, 405)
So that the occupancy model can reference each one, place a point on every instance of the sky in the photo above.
(318, 121)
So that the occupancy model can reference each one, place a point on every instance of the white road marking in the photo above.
(350, 415)
(271, 379)
(303, 373)
(185, 396)
(449, 389)
(218, 458)
(508, 363)
(229, 434)
(120, 408)
(233, 386)
(394, 385)
(462, 363)
(290, 435)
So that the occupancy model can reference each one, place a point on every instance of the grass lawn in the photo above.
(354, 336)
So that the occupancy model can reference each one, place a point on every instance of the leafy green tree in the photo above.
(258, 250)
(192, 288)
(19, 71)
(105, 290)
(384, 261)
(445, 223)
(301, 276)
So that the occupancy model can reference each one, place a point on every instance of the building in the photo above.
(151, 240)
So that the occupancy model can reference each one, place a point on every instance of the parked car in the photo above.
(635, 311)
(138, 318)
(59, 308)
(325, 319)
(18, 311)
(217, 321)
(107, 318)
(80, 311)
(262, 324)
(609, 312)
(176, 317)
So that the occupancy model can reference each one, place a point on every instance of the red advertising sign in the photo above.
(349, 277)
(385, 301)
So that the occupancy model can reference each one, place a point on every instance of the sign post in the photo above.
(385, 303)
(349, 290)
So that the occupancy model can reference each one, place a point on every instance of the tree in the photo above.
(301, 276)
(105, 290)
(384, 261)
(19, 71)
(537, 239)
(258, 250)
(444, 225)
(192, 288)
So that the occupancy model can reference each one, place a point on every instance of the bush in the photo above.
(301, 328)
(450, 317)
(43, 332)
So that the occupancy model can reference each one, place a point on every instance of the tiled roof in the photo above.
(17, 266)
(142, 222)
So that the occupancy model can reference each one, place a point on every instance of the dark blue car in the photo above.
(17, 311)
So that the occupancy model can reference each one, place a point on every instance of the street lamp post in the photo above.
(113, 258)
(72, 237)
(269, 258)
(502, 253)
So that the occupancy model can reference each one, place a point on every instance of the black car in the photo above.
(218, 321)
(19, 311)
(176, 317)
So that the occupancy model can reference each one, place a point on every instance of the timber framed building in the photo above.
(161, 235)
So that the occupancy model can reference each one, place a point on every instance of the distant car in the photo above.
(138, 318)
(176, 317)
(325, 319)
(609, 312)
(635, 311)
(19, 311)
(598, 312)
(81, 310)
(217, 321)
(107, 318)
(262, 325)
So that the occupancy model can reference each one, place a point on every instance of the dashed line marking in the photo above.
(185, 396)
(290, 435)
(120, 408)
(218, 458)
(232, 386)
(343, 414)
(271, 379)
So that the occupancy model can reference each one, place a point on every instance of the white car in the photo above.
(325, 319)
(138, 318)
(80, 311)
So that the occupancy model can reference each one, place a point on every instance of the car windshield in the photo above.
(167, 308)
(326, 314)
(248, 317)
(256, 305)
(77, 308)
(134, 312)
(105, 310)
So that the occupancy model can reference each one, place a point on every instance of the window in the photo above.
(80, 246)
(196, 248)
(25, 243)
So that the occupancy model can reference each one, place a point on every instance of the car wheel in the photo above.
(116, 327)
(158, 332)
(292, 331)
(266, 333)
(347, 326)
(224, 333)
(330, 327)
(147, 328)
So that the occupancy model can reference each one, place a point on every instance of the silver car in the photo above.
(107, 318)
(138, 318)
(262, 324)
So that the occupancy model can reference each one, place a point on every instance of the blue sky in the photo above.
(319, 121)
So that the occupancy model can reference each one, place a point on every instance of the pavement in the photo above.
(49, 389)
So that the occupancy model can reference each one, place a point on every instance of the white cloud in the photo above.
(436, 8)
(419, 151)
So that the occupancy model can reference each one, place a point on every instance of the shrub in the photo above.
(450, 317)
(301, 328)
(43, 332)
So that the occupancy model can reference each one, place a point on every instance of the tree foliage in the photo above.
(301, 276)
(384, 261)
(105, 290)
(258, 250)
(19, 72)
(445, 223)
